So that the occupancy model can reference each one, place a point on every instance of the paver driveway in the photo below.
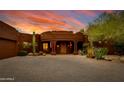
(60, 68)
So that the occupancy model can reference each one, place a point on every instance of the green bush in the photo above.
(100, 53)
(22, 53)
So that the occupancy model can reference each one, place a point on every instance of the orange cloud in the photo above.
(29, 28)
(46, 20)
(52, 15)
(55, 28)
(75, 21)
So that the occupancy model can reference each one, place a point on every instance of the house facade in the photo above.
(50, 42)
(62, 42)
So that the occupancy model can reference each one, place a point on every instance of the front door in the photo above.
(63, 48)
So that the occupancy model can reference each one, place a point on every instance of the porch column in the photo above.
(41, 46)
(75, 48)
(53, 44)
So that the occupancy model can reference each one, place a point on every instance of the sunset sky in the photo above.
(47, 20)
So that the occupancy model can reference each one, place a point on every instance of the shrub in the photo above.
(119, 48)
(90, 52)
(26, 45)
(84, 50)
(100, 53)
(22, 53)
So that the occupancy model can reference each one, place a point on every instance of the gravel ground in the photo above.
(60, 68)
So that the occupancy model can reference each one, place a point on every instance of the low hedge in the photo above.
(22, 53)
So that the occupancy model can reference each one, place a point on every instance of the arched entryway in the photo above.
(64, 47)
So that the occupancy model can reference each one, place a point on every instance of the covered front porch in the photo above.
(61, 47)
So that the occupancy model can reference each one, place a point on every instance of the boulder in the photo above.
(122, 59)
(112, 58)
(36, 54)
(44, 54)
(40, 52)
(30, 54)
(108, 58)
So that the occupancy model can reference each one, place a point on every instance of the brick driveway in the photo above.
(60, 68)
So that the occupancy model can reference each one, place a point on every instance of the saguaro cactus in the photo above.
(33, 43)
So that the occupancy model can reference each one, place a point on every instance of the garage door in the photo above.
(7, 48)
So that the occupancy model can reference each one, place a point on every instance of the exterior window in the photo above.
(45, 46)
(26, 45)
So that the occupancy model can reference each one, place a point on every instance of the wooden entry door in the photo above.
(63, 48)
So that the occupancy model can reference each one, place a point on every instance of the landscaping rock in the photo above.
(108, 58)
(122, 59)
(44, 54)
(30, 54)
(112, 58)
(41, 53)
(36, 54)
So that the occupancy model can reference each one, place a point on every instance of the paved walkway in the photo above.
(60, 68)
